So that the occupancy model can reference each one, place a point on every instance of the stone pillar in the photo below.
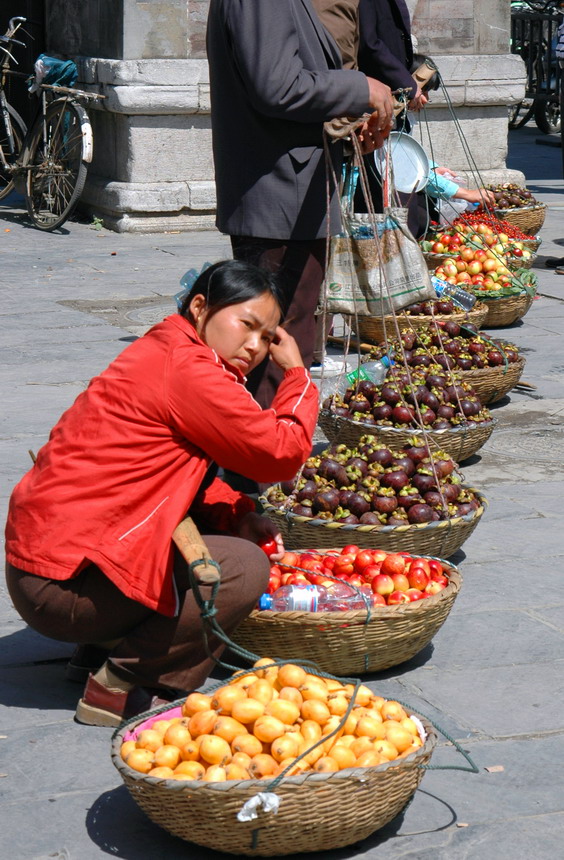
(153, 168)
(467, 129)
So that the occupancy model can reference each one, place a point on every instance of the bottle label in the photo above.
(355, 375)
(303, 598)
(362, 373)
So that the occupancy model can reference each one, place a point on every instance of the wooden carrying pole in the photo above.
(192, 548)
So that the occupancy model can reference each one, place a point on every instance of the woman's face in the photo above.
(241, 334)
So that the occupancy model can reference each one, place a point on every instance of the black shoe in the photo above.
(554, 262)
(85, 660)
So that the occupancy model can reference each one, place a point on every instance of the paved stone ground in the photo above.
(493, 676)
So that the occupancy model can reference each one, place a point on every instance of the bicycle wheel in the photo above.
(56, 164)
(520, 113)
(18, 133)
(547, 116)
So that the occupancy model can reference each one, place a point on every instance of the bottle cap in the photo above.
(265, 601)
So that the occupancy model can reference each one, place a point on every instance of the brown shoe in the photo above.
(102, 706)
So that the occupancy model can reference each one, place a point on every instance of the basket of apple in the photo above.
(480, 219)
(418, 315)
(477, 243)
(386, 608)
(406, 500)
(507, 296)
(492, 367)
(423, 406)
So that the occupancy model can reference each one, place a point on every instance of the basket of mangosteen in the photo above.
(428, 405)
(517, 205)
(385, 626)
(404, 500)
(418, 315)
(492, 367)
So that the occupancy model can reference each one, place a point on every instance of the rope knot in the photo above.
(208, 610)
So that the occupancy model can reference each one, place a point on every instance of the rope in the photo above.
(473, 767)
(208, 613)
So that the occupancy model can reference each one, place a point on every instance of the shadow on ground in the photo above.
(137, 833)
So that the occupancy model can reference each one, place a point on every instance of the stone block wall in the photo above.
(152, 167)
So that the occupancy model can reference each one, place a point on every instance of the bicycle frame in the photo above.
(8, 126)
(13, 27)
(47, 163)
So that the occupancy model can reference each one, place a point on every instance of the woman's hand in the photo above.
(255, 528)
(284, 350)
(444, 171)
(477, 195)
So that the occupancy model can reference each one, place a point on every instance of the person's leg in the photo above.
(323, 325)
(157, 654)
(171, 652)
(88, 608)
(301, 267)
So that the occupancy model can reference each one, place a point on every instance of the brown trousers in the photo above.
(155, 651)
(300, 266)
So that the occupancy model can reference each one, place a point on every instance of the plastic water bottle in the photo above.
(314, 598)
(459, 296)
(375, 371)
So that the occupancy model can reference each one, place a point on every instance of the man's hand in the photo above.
(419, 100)
(370, 136)
(381, 101)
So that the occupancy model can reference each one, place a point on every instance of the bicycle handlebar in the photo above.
(13, 41)
(13, 26)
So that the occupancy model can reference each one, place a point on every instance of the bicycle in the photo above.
(48, 162)
(533, 29)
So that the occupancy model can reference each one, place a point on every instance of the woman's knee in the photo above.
(245, 568)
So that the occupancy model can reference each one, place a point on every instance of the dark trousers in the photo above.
(155, 651)
(301, 268)
(420, 208)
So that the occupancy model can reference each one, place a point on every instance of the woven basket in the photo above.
(345, 643)
(506, 310)
(371, 329)
(434, 260)
(532, 244)
(317, 812)
(529, 219)
(459, 442)
(493, 383)
(439, 539)
(514, 263)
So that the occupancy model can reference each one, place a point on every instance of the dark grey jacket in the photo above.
(275, 76)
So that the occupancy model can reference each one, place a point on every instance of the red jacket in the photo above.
(125, 463)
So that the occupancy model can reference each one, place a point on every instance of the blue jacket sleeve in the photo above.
(440, 186)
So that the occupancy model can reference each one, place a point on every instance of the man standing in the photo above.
(385, 46)
(276, 76)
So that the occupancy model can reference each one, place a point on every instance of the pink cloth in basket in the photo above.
(133, 734)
